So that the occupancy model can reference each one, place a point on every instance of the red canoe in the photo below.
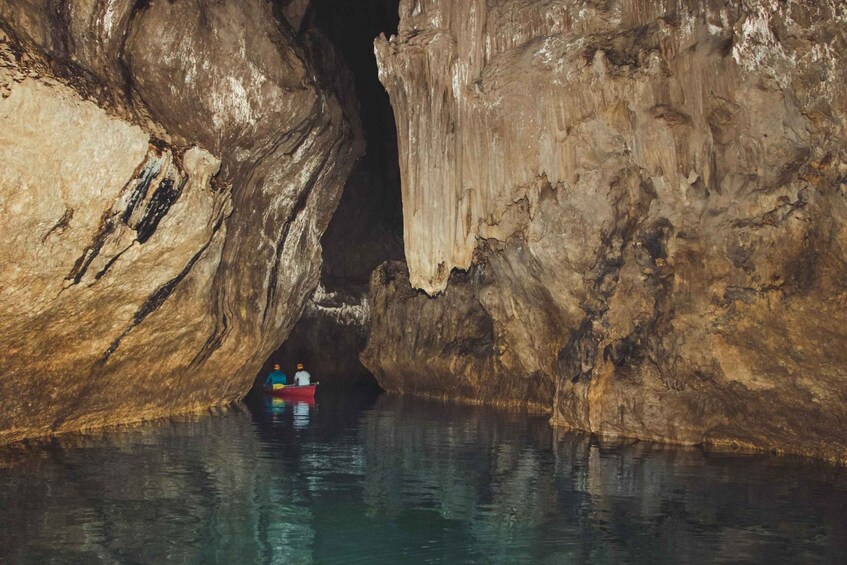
(307, 391)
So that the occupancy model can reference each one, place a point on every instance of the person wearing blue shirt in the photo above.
(276, 379)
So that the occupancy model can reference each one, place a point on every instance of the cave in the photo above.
(367, 227)
(569, 274)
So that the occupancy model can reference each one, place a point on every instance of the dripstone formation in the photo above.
(647, 201)
(168, 169)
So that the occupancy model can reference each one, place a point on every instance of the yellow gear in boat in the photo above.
(278, 386)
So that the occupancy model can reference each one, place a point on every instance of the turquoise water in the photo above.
(359, 479)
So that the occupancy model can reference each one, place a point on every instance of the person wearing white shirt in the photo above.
(302, 377)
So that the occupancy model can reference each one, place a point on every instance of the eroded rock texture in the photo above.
(650, 195)
(445, 347)
(168, 169)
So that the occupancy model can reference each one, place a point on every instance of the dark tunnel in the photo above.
(367, 227)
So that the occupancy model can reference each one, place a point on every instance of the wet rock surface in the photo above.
(650, 199)
(168, 171)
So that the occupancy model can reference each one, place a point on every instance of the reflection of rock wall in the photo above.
(404, 476)
(522, 500)
(173, 481)
(452, 462)
(168, 169)
(652, 194)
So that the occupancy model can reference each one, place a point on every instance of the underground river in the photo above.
(367, 478)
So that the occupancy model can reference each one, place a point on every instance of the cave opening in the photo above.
(367, 227)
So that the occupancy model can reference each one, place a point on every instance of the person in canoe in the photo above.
(276, 379)
(302, 377)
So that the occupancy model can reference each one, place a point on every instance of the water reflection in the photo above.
(300, 409)
(357, 479)
(274, 405)
(301, 413)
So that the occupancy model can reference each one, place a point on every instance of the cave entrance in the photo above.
(367, 227)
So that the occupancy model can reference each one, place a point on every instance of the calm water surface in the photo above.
(359, 479)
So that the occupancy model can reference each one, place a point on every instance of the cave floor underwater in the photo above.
(369, 478)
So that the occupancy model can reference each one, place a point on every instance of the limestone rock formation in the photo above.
(444, 348)
(168, 169)
(651, 197)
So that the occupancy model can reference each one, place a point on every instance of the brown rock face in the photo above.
(445, 347)
(651, 197)
(168, 169)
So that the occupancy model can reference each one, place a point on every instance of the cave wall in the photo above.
(367, 227)
(649, 196)
(444, 348)
(168, 169)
